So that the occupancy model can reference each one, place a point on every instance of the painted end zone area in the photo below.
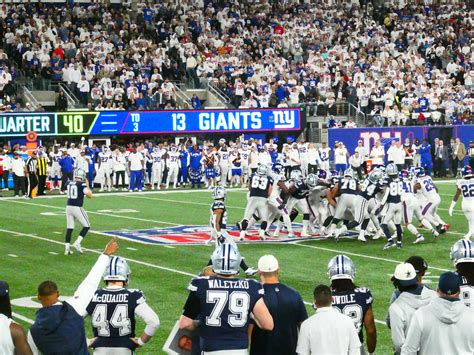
(195, 235)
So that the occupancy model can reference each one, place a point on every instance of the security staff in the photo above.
(287, 309)
(31, 169)
(42, 161)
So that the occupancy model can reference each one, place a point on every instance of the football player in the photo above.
(392, 210)
(222, 304)
(236, 174)
(104, 171)
(157, 168)
(298, 199)
(324, 153)
(173, 163)
(347, 189)
(260, 189)
(276, 202)
(218, 225)
(351, 300)
(244, 155)
(462, 255)
(224, 164)
(76, 190)
(210, 163)
(113, 312)
(412, 207)
(465, 186)
(425, 185)
(55, 172)
(317, 199)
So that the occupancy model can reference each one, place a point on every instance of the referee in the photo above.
(287, 309)
(42, 171)
(31, 169)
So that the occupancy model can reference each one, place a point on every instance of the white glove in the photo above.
(451, 208)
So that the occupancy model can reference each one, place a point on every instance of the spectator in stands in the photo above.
(61, 102)
(196, 102)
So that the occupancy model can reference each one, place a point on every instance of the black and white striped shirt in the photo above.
(32, 165)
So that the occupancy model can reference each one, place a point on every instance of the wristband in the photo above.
(140, 342)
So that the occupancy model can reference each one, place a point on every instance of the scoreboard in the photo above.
(149, 122)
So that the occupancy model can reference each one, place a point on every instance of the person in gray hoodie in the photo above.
(412, 297)
(445, 325)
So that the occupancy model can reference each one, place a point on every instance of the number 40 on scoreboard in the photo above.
(75, 123)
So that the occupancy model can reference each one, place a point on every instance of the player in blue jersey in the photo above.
(392, 202)
(260, 189)
(76, 191)
(113, 312)
(462, 255)
(351, 300)
(221, 306)
(195, 166)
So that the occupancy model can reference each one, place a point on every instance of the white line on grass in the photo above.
(133, 249)
(13, 255)
(53, 253)
(23, 318)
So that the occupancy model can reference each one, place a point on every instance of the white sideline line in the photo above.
(23, 318)
(93, 212)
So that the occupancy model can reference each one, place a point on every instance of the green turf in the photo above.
(302, 266)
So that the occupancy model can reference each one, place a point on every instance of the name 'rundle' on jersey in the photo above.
(353, 304)
(223, 307)
(259, 185)
(75, 193)
(112, 314)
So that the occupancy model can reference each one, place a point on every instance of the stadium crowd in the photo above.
(405, 64)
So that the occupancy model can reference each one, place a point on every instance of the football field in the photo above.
(32, 236)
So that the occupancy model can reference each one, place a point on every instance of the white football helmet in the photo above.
(341, 267)
(117, 270)
(462, 252)
(226, 260)
(219, 193)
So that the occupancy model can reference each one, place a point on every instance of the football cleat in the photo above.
(419, 239)
(399, 245)
(291, 236)
(67, 250)
(78, 247)
(261, 235)
(390, 244)
(242, 236)
(362, 237)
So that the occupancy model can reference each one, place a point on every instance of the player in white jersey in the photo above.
(303, 149)
(157, 168)
(173, 163)
(462, 255)
(104, 172)
(465, 186)
(236, 165)
(317, 199)
(244, 156)
(412, 208)
(55, 172)
(425, 185)
(224, 164)
(324, 155)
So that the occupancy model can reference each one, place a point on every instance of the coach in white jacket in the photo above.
(445, 326)
(412, 297)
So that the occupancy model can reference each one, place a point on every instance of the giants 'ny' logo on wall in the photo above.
(284, 119)
(369, 138)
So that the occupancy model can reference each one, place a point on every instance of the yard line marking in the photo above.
(360, 255)
(53, 253)
(23, 318)
(93, 212)
(57, 232)
(105, 194)
(180, 201)
(132, 249)
(100, 252)
(13, 255)
(168, 246)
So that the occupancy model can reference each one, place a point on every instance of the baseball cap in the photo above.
(418, 263)
(4, 289)
(449, 283)
(405, 274)
(268, 263)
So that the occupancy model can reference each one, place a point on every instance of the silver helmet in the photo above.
(262, 169)
(311, 180)
(296, 174)
(226, 260)
(219, 193)
(341, 267)
(391, 170)
(375, 176)
(80, 175)
(117, 270)
(462, 252)
(349, 173)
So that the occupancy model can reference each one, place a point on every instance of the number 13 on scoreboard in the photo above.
(179, 121)
(135, 121)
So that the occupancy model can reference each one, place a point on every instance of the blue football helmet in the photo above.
(466, 171)
(226, 260)
(462, 252)
(403, 174)
(322, 174)
(419, 172)
(341, 267)
(277, 167)
(117, 270)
